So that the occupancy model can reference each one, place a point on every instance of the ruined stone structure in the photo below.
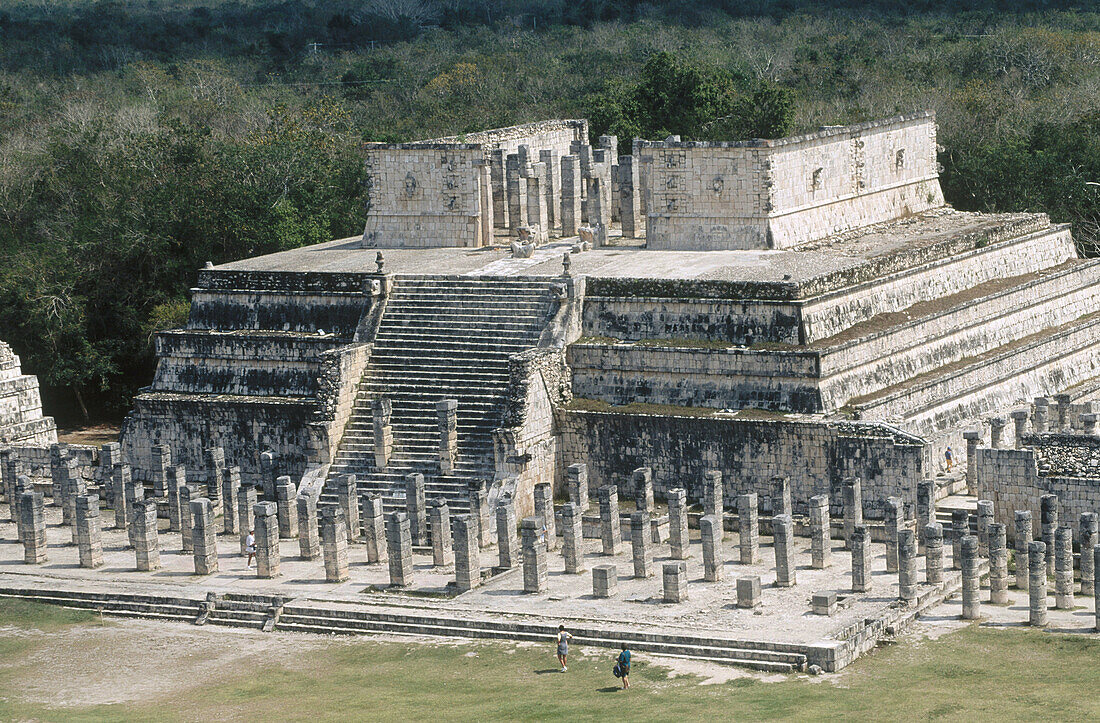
(21, 420)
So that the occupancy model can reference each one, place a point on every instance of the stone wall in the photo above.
(716, 320)
(338, 387)
(21, 420)
(780, 193)
(748, 452)
(555, 135)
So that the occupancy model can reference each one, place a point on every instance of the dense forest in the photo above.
(140, 140)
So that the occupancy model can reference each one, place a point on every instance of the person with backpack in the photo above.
(563, 646)
(622, 667)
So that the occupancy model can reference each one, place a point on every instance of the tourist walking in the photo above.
(250, 547)
(949, 458)
(563, 646)
(622, 666)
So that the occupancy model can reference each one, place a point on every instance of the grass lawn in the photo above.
(971, 674)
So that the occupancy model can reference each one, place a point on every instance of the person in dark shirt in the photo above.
(624, 666)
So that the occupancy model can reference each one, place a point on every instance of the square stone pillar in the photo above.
(1019, 422)
(675, 582)
(1048, 512)
(399, 546)
(551, 187)
(576, 484)
(821, 544)
(135, 492)
(1040, 416)
(534, 556)
(1061, 413)
(186, 533)
(175, 477)
(996, 432)
(268, 475)
(334, 543)
(783, 537)
(960, 528)
(382, 413)
(203, 536)
(972, 437)
(517, 192)
(23, 485)
(507, 543)
(74, 487)
(447, 412)
(89, 539)
(640, 535)
(479, 512)
(853, 507)
(678, 539)
(374, 529)
(536, 203)
(933, 553)
(8, 475)
(749, 528)
(572, 546)
(712, 553)
(442, 552)
(347, 495)
(1022, 539)
(605, 581)
(286, 497)
(417, 507)
(1088, 424)
(926, 508)
(642, 482)
(630, 212)
(268, 556)
(215, 468)
(544, 508)
(599, 216)
(109, 455)
(570, 195)
(59, 452)
(146, 544)
(246, 515)
(781, 496)
(231, 485)
(485, 205)
(860, 544)
(162, 460)
(467, 553)
(498, 182)
(32, 512)
(120, 480)
(309, 542)
(893, 523)
(712, 499)
(907, 565)
(1089, 537)
(748, 592)
(610, 534)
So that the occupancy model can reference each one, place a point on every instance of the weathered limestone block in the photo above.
(1041, 416)
(853, 507)
(551, 188)
(1089, 531)
(186, 536)
(971, 600)
(9, 475)
(907, 565)
(109, 455)
(678, 523)
(1019, 422)
(544, 508)
(712, 553)
(231, 485)
(534, 556)
(1048, 515)
(1037, 583)
(246, 516)
(215, 469)
(347, 495)
(640, 545)
(286, 497)
(162, 460)
(996, 432)
(675, 582)
(781, 496)
(1061, 412)
(960, 528)
(146, 544)
(893, 524)
(570, 195)
(447, 412)
(783, 536)
(933, 553)
(467, 553)
(32, 512)
(576, 484)
(517, 191)
(712, 500)
(572, 545)
(268, 475)
(630, 216)
(598, 213)
(89, 536)
(823, 603)
(998, 563)
(309, 542)
(175, 477)
(59, 454)
(507, 543)
(74, 487)
(749, 595)
(860, 544)
(334, 543)
(1088, 424)
(642, 481)
(134, 492)
(442, 551)
(120, 480)
(985, 519)
(1063, 568)
(374, 529)
(749, 528)
(821, 548)
(268, 556)
(203, 536)
(23, 485)
(1023, 537)
(498, 182)
(972, 437)
(480, 515)
(536, 203)
(417, 507)
(926, 508)
(382, 413)
(610, 533)
(605, 581)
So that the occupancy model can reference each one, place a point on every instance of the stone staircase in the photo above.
(441, 338)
